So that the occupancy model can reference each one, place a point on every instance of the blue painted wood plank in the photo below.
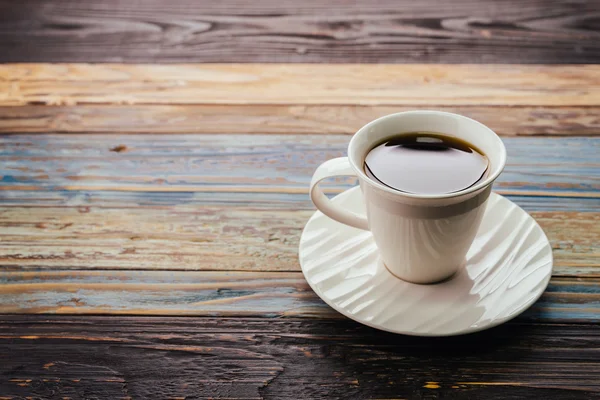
(568, 167)
(261, 200)
(229, 294)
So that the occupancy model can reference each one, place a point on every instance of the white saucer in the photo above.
(508, 268)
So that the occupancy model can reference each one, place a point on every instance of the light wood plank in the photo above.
(213, 294)
(355, 84)
(214, 238)
(279, 119)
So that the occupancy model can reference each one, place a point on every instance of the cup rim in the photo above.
(488, 181)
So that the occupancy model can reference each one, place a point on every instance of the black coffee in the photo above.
(426, 163)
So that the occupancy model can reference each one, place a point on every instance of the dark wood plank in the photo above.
(292, 84)
(280, 119)
(506, 31)
(233, 294)
(167, 357)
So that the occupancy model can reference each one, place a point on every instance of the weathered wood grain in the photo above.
(209, 238)
(279, 119)
(213, 238)
(175, 293)
(256, 200)
(294, 84)
(314, 31)
(246, 358)
(215, 202)
(212, 223)
(230, 294)
(255, 163)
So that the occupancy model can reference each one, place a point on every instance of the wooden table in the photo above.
(150, 210)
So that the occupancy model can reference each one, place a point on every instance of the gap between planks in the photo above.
(267, 189)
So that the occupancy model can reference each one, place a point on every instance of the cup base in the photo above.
(444, 279)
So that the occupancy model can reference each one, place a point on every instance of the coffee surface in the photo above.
(426, 163)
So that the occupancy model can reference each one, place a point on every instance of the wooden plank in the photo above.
(279, 119)
(222, 219)
(245, 358)
(314, 31)
(566, 167)
(260, 201)
(214, 238)
(229, 294)
(256, 200)
(300, 84)
(162, 293)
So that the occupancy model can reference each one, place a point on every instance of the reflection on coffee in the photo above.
(426, 163)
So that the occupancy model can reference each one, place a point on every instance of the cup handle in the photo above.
(335, 167)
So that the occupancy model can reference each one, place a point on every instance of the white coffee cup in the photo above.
(421, 238)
